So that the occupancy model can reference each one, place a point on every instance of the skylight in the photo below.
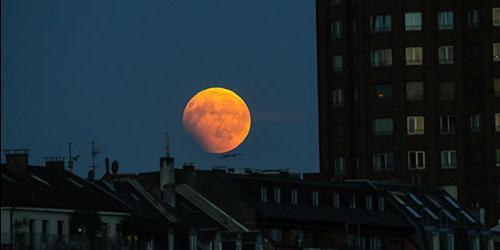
(416, 200)
(432, 214)
(468, 216)
(452, 201)
(453, 218)
(40, 180)
(413, 212)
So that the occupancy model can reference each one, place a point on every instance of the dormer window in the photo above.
(381, 204)
(369, 201)
(336, 200)
(352, 204)
(315, 198)
(263, 194)
(277, 195)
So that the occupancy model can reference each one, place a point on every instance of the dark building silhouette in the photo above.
(410, 90)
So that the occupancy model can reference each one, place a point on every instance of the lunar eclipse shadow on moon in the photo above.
(218, 119)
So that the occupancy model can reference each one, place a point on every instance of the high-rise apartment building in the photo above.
(409, 90)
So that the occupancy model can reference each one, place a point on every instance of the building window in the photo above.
(476, 157)
(336, 29)
(381, 203)
(496, 16)
(413, 21)
(295, 196)
(383, 126)
(496, 52)
(474, 53)
(447, 124)
(277, 195)
(415, 125)
(375, 243)
(476, 244)
(414, 56)
(383, 161)
(380, 23)
(339, 131)
(498, 157)
(263, 194)
(446, 55)
(352, 204)
(475, 123)
(276, 234)
(338, 98)
(382, 92)
(338, 166)
(496, 86)
(45, 227)
(338, 63)
(336, 200)
(416, 159)
(435, 241)
(193, 242)
(449, 159)
(450, 242)
(369, 201)
(315, 198)
(497, 122)
(447, 90)
(445, 20)
(381, 57)
(60, 227)
(473, 19)
(414, 91)
(474, 88)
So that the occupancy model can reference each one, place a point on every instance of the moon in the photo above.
(218, 119)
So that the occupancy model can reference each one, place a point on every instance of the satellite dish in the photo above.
(91, 175)
(114, 167)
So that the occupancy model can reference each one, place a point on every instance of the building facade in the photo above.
(410, 90)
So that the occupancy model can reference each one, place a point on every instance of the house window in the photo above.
(45, 227)
(414, 91)
(381, 205)
(338, 166)
(338, 98)
(497, 122)
(375, 243)
(369, 201)
(449, 159)
(339, 131)
(473, 20)
(450, 242)
(315, 198)
(413, 21)
(263, 194)
(496, 52)
(193, 244)
(474, 88)
(446, 55)
(336, 200)
(352, 204)
(277, 195)
(496, 86)
(414, 55)
(380, 23)
(383, 126)
(31, 228)
(383, 161)
(415, 125)
(416, 159)
(338, 63)
(276, 234)
(295, 196)
(435, 241)
(447, 90)
(381, 57)
(382, 92)
(336, 29)
(445, 20)
(474, 53)
(447, 124)
(496, 16)
(476, 244)
(475, 123)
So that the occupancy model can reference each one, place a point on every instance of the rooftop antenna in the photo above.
(167, 145)
(94, 153)
(72, 159)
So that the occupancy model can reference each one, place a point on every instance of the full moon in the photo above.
(218, 118)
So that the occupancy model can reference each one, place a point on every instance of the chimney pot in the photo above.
(17, 157)
(55, 162)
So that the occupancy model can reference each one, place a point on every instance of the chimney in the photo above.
(17, 161)
(54, 162)
(167, 180)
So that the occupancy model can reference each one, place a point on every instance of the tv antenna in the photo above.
(72, 159)
(95, 152)
(167, 144)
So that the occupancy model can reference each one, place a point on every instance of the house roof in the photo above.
(49, 187)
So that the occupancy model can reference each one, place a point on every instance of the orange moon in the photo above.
(218, 118)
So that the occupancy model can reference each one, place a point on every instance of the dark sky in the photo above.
(120, 73)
